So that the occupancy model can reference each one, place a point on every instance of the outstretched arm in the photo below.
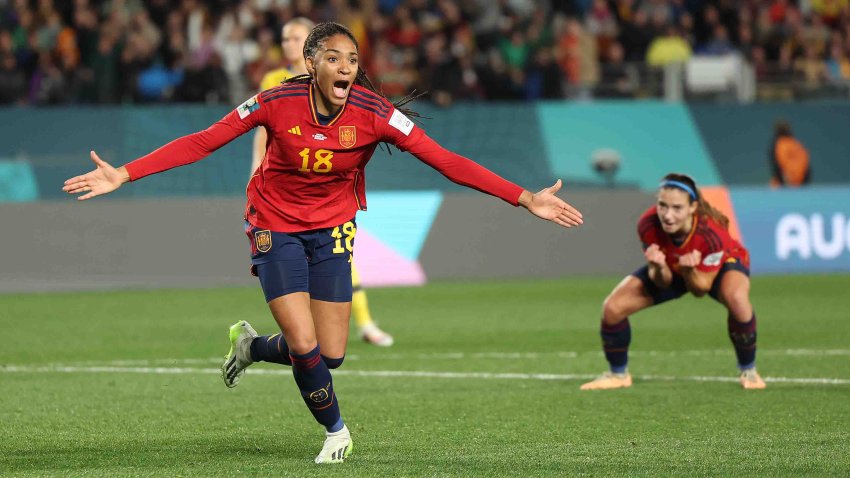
(104, 179)
(546, 205)
(182, 151)
(543, 204)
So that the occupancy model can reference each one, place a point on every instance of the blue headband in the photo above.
(678, 184)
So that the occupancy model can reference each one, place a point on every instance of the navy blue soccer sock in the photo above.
(316, 385)
(270, 348)
(743, 338)
(615, 342)
(273, 348)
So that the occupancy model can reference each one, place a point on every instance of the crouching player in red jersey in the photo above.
(688, 249)
(323, 128)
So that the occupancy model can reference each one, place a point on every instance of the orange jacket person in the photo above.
(789, 160)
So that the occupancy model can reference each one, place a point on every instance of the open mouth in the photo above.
(341, 88)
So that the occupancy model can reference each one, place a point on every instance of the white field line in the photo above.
(377, 357)
(401, 374)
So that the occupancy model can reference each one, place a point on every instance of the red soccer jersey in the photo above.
(707, 236)
(312, 175)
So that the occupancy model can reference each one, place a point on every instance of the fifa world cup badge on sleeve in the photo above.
(263, 239)
(347, 136)
(713, 259)
(248, 107)
(401, 122)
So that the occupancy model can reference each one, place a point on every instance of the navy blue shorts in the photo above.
(678, 288)
(317, 262)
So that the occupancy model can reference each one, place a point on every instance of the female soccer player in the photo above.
(323, 129)
(688, 249)
(293, 36)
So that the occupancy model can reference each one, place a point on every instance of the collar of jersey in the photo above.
(694, 225)
(315, 116)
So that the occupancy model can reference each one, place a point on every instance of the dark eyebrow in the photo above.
(339, 52)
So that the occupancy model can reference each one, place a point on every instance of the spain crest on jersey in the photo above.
(263, 240)
(347, 136)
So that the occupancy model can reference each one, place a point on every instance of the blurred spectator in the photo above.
(719, 43)
(543, 76)
(394, 70)
(514, 50)
(635, 36)
(236, 51)
(838, 65)
(668, 49)
(578, 60)
(204, 83)
(13, 83)
(440, 71)
(47, 84)
(831, 11)
(619, 79)
(789, 160)
(746, 42)
(601, 21)
(811, 68)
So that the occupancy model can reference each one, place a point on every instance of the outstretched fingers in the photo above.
(572, 212)
(568, 219)
(77, 185)
(77, 188)
(102, 180)
(567, 213)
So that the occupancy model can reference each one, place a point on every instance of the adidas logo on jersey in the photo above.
(296, 130)
(319, 137)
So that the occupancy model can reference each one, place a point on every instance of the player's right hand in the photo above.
(654, 255)
(104, 179)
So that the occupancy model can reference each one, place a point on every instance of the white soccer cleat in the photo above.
(239, 356)
(337, 447)
(371, 334)
(609, 381)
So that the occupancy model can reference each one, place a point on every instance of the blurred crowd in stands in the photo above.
(216, 51)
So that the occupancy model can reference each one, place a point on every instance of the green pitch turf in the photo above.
(483, 381)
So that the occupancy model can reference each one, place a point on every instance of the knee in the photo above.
(299, 346)
(739, 306)
(333, 363)
(613, 311)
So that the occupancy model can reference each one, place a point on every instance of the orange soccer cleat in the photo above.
(751, 380)
(608, 381)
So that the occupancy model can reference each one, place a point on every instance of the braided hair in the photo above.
(685, 183)
(318, 35)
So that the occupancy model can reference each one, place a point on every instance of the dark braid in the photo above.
(313, 43)
(704, 208)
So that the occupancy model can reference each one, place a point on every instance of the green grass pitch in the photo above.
(483, 381)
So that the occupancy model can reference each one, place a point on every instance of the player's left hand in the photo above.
(545, 205)
(691, 259)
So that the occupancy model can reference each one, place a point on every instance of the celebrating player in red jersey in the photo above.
(688, 249)
(323, 128)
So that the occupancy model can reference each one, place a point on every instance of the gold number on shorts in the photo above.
(348, 231)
